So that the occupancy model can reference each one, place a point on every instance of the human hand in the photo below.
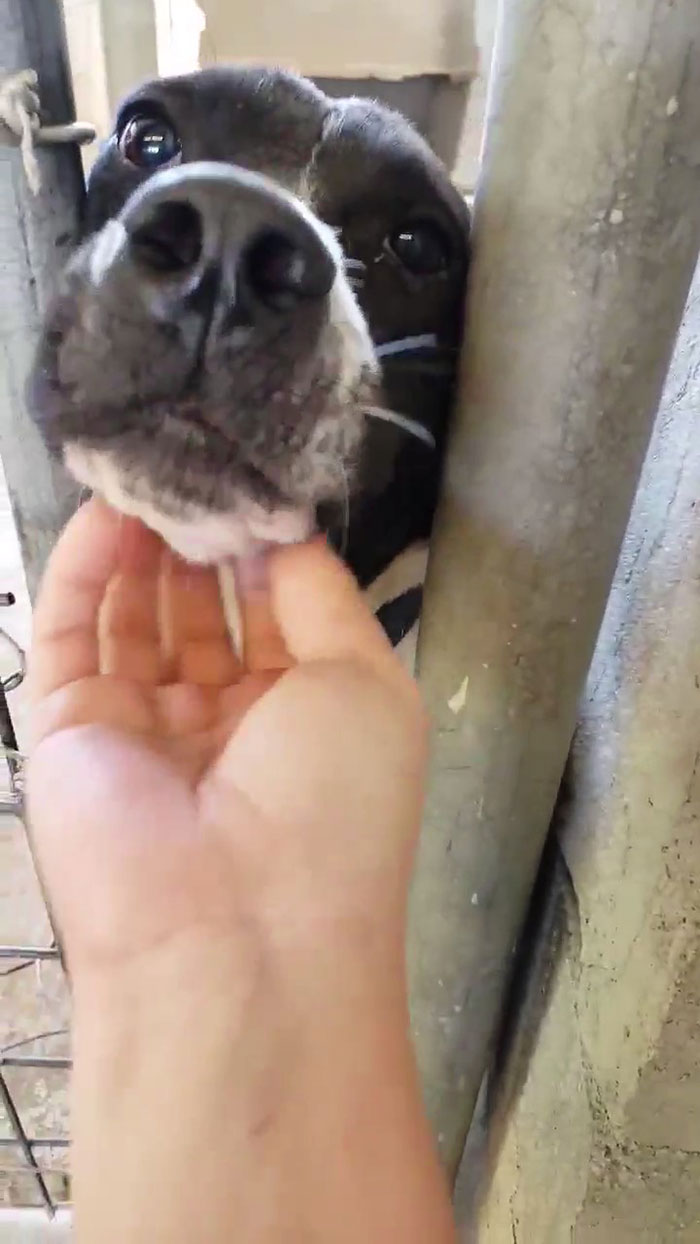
(172, 789)
(226, 849)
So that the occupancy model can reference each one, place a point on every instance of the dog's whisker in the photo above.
(230, 604)
(407, 345)
(346, 512)
(336, 513)
(345, 530)
(355, 265)
(410, 426)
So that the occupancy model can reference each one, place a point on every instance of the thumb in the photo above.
(321, 612)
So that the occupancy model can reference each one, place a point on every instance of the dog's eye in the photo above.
(422, 247)
(149, 142)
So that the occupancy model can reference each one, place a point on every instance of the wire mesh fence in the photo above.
(34, 1059)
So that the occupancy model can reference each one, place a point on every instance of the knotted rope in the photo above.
(20, 123)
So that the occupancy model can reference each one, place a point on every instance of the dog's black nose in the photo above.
(211, 233)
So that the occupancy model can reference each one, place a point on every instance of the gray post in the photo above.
(35, 237)
(130, 45)
(587, 230)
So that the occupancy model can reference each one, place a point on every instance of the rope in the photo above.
(20, 122)
(19, 112)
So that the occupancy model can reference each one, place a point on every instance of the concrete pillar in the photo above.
(600, 1143)
(586, 234)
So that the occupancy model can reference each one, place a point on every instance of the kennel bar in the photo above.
(32, 954)
(9, 1058)
(587, 229)
(23, 957)
(36, 235)
(24, 1144)
(39, 1142)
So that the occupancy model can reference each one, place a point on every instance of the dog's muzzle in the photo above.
(206, 366)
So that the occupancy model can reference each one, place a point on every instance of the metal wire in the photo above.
(40, 1036)
(9, 1058)
(27, 956)
(31, 953)
(17, 677)
(25, 1145)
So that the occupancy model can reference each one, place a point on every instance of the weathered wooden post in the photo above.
(36, 233)
(587, 230)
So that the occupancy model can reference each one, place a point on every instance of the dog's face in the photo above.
(264, 272)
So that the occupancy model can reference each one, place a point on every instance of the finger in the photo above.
(321, 612)
(263, 645)
(194, 622)
(65, 643)
(98, 700)
(129, 616)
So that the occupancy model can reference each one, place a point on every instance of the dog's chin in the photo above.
(197, 534)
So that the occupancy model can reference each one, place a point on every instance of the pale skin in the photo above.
(227, 849)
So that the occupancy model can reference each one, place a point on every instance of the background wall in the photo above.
(422, 58)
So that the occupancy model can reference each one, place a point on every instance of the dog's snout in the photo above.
(168, 240)
(279, 272)
(265, 247)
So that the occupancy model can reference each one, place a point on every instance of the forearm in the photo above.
(286, 1108)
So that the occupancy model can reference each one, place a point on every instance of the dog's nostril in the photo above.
(170, 239)
(277, 271)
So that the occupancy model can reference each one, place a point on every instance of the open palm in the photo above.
(174, 784)
(130, 637)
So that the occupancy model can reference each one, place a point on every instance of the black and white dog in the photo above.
(259, 332)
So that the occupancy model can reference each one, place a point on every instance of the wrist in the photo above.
(250, 1061)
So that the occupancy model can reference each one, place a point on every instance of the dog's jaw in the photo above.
(198, 535)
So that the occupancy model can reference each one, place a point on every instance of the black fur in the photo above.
(367, 174)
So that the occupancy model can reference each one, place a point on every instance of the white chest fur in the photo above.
(406, 572)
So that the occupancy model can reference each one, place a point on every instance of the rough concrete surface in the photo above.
(647, 1189)
(603, 1143)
